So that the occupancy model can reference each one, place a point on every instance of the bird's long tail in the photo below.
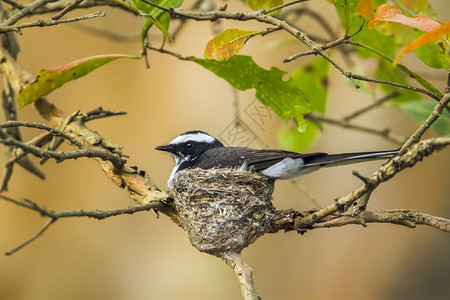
(331, 160)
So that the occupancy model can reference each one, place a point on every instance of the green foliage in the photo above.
(263, 4)
(312, 79)
(436, 54)
(283, 96)
(156, 16)
(346, 10)
(49, 80)
(420, 110)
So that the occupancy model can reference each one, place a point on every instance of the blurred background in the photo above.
(142, 257)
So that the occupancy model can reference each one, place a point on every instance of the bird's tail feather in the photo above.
(331, 160)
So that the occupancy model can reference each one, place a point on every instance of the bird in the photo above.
(198, 149)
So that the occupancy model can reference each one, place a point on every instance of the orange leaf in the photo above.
(393, 14)
(436, 34)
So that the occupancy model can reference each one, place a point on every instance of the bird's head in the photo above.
(190, 145)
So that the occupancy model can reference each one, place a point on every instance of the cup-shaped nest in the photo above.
(223, 210)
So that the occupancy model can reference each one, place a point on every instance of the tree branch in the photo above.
(385, 133)
(96, 214)
(415, 154)
(244, 274)
(59, 156)
(285, 219)
(49, 22)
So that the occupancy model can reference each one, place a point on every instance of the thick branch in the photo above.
(285, 219)
(244, 274)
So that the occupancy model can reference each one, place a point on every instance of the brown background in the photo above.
(142, 257)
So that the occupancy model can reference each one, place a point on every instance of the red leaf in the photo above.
(393, 14)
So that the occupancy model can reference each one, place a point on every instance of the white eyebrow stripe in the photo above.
(195, 137)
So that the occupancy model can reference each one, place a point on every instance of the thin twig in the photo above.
(59, 156)
(25, 11)
(403, 68)
(268, 11)
(47, 224)
(371, 106)
(260, 17)
(385, 133)
(396, 84)
(66, 9)
(49, 22)
(56, 215)
(51, 130)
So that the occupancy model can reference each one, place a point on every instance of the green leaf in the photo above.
(228, 43)
(435, 54)
(283, 96)
(420, 110)
(346, 10)
(312, 79)
(49, 80)
(154, 16)
(263, 4)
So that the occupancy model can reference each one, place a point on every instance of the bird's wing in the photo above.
(258, 160)
(262, 159)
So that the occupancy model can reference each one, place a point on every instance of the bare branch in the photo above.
(396, 84)
(35, 236)
(51, 130)
(49, 22)
(371, 106)
(14, 4)
(27, 9)
(268, 11)
(244, 274)
(66, 9)
(385, 133)
(410, 218)
(96, 214)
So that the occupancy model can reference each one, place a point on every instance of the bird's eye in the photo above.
(189, 146)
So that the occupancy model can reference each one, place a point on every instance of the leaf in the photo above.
(420, 110)
(393, 14)
(346, 10)
(312, 79)
(283, 96)
(428, 37)
(263, 4)
(153, 16)
(228, 43)
(49, 80)
(366, 8)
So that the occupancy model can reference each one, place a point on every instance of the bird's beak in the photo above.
(167, 148)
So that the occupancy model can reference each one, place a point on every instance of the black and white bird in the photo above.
(197, 149)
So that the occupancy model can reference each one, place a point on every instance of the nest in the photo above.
(223, 210)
